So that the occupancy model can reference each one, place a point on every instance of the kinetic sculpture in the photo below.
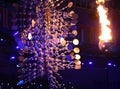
(49, 42)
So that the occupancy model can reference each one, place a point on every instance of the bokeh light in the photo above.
(77, 56)
(70, 4)
(90, 62)
(76, 50)
(109, 64)
(29, 36)
(1, 39)
(12, 58)
(62, 41)
(75, 41)
(17, 47)
(75, 32)
(77, 64)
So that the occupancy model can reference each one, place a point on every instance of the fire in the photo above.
(105, 35)
(100, 1)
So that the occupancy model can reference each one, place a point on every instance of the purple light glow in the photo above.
(109, 64)
(90, 63)
(16, 33)
(114, 65)
(17, 47)
(82, 63)
(17, 66)
(12, 57)
(14, 27)
(1, 39)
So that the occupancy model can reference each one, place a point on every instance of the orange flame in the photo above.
(105, 23)
(100, 1)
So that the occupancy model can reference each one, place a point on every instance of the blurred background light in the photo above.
(90, 63)
(15, 33)
(17, 66)
(17, 47)
(12, 57)
(82, 63)
(109, 64)
(1, 39)
(114, 65)
(20, 82)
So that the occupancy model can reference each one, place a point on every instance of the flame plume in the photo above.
(105, 36)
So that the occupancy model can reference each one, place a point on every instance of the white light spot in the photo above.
(29, 36)
(75, 41)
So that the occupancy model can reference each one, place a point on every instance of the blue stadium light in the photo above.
(12, 57)
(1, 39)
(109, 64)
(17, 47)
(82, 63)
(17, 66)
(90, 63)
(20, 82)
(114, 65)
(16, 33)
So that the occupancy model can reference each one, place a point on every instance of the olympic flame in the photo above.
(105, 35)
